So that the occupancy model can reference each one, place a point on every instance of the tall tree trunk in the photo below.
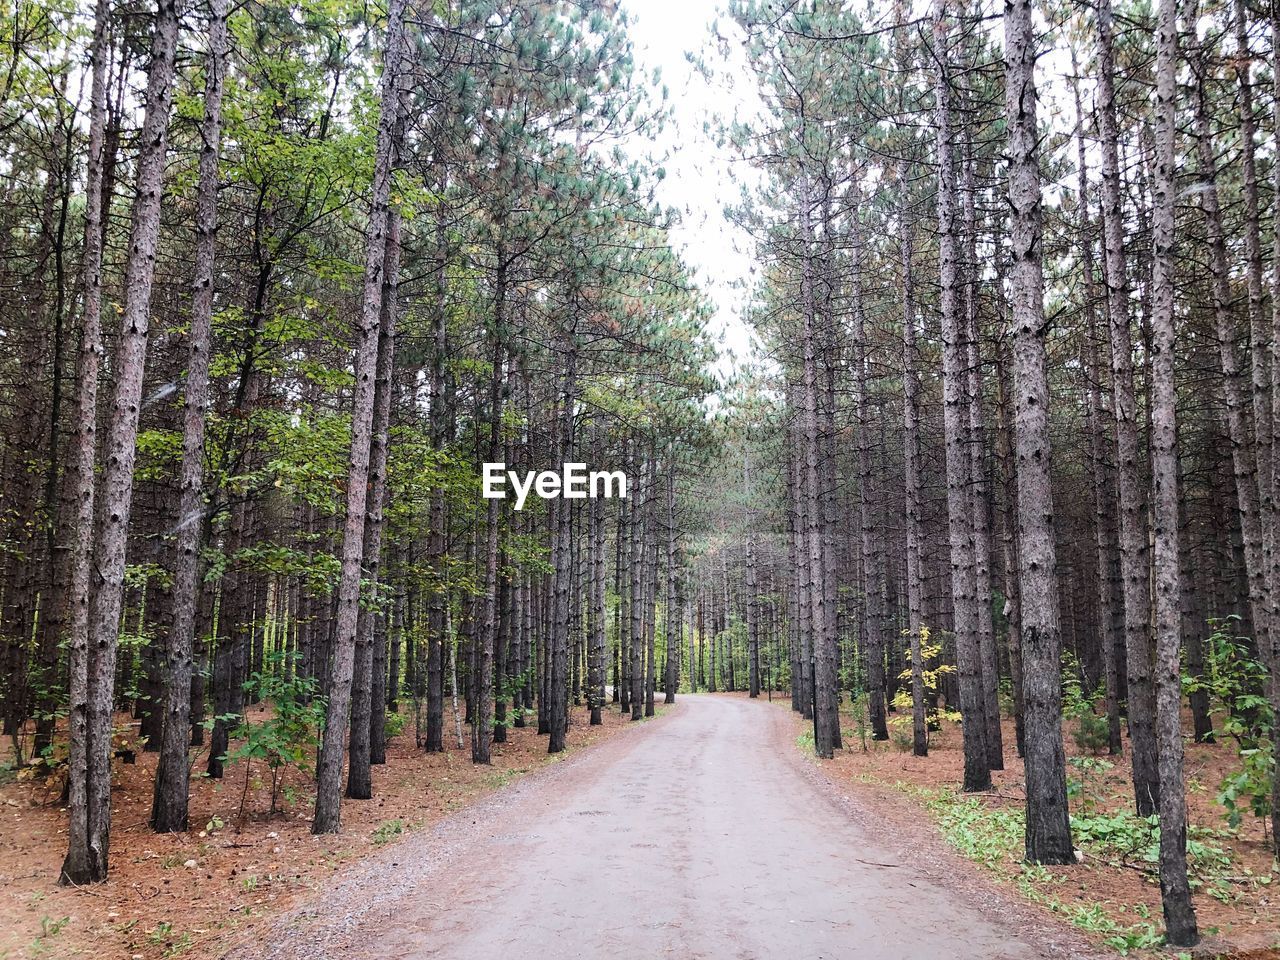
(910, 421)
(1103, 479)
(672, 619)
(828, 357)
(622, 689)
(329, 772)
(1133, 509)
(173, 773)
(822, 655)
(562, 532)
(598, 612)
(988, 656)
(121, 446)
(437, 541)
(911, 484)
(371, 622)
(482, 727)
(360, 737)
(51, 622)
(651, 595)
(977, 770)
(84, 862)
(635, 601)
(1179, 914)
(1048, 827)
(1009, 544)
(1259, 338)
(873, 639)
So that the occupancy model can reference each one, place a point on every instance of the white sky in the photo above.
(701, 178)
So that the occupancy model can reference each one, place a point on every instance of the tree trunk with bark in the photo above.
(597, 611)
(671, 620)
(84, 863)
(1133, 508)
(482, 721)
(821, 663)
(635, 598)
(562, 560)
(1048, 827)
(977, 770)
(988, 655)
(120, 452)
(332, 748)
(869, 547)
(438, 537)
(1106, 550)
(911, 489)
(371, 622)
(1179, 914)
(173, 772)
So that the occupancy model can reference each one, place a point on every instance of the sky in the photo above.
(701, 178)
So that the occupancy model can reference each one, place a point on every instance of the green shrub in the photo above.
(1235, 678)
(1088, 768)
(1092, 733)
(289, 736)
(1250, 787)
(393, 725)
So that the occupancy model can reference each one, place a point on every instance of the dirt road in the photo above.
(700, 835)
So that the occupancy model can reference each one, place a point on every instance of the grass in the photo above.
(162, 935)
(49, 929)
(993, 836)
(502, 778)
(386, 832)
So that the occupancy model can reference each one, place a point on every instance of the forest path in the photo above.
(700, 836)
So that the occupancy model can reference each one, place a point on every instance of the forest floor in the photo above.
(1113, 895)
(190, 895)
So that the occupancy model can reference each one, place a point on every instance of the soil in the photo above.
(190, 895)
(882, 777)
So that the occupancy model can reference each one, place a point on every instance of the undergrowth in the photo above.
(993, 835)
